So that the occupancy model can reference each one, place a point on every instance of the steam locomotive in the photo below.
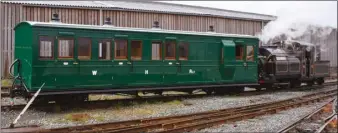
(291, 63)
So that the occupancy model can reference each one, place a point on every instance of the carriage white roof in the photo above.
(113, 28)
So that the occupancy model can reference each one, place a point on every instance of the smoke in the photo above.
(305, 23)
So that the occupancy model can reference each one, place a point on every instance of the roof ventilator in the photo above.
(55, 18)
(107, 22)
(211, 28)
(156, 25)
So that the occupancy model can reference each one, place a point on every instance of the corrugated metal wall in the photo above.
(15, 13)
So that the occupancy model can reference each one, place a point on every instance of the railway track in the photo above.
(330, 125)
(190, 122)
(108, 103)
(313, 118)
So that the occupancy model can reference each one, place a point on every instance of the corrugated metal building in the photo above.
(124, 14)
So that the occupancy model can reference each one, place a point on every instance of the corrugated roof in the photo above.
(152, 7)
(152, 30)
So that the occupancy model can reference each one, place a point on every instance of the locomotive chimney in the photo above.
(156, 24)
(107, 21)
(55, 17)
(211, 28)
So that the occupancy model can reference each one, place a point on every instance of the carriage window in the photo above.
(66, 48)
(249, 53)
(170, 50)
(121, 49)
(156, 52)
(183, 50)
(136, 50)
(84, 48)
(104, 49)
(239, 52)
(46, 46)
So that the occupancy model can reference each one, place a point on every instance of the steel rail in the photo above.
(106, 103)
(176, 121)
(240, 116)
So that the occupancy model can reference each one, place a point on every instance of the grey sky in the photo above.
(323, 13)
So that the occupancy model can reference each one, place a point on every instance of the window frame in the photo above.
(90, 48)
(165, 53)
(115, 49)
(179, 56)
(241, 57)
(110, 50)
(160, 43)
(73, 47)
(253, 54)
(131, 47)
(52, 50)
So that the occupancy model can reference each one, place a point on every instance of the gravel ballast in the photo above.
(267, 123)
(145, 110)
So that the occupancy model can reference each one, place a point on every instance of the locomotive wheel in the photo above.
(320, 81)
(293, 84)
(298, 83)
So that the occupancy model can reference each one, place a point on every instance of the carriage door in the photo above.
(251, 65)
(138, 68)
(240, 63)
(170, 62)
(228, 63)
(66, 63)
(122, 64)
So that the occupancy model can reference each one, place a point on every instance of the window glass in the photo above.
(66, 48)
(183, 50)
(239, 52)
(121, 49)
(136, 50)
(249, 53)
(46, 47)
(84, 48)
(156, 52)
(170, 50)
(104, 49)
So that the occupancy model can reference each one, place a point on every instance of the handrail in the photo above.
(10, 68)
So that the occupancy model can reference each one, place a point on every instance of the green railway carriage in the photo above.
(72, 58)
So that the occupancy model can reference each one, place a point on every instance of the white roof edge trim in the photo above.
(152, 30)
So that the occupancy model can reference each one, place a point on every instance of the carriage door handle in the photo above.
(245, 64)
(179, 66)
(132, 66)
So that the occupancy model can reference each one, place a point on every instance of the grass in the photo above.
(77, 117)
(98, 117)
(175, 102)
